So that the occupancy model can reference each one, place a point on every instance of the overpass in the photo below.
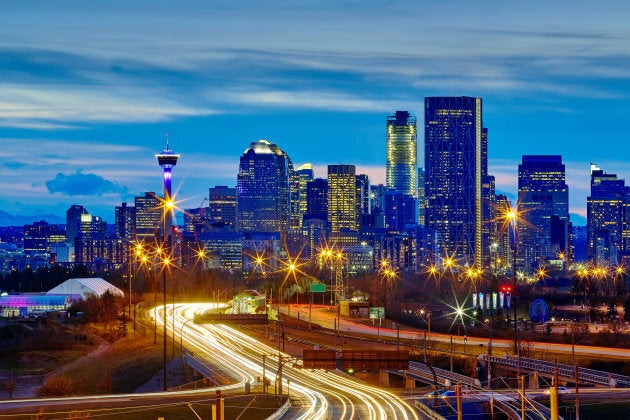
(547, 369)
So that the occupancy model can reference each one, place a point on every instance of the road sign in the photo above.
(318, 288)
(377, 312)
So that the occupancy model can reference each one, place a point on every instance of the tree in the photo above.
(611, 312)
(580, 331)
(57, 386)
(7, 384)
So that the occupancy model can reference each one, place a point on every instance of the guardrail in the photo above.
(567, 371)
(453, 377)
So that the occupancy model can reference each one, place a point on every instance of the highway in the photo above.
(323, 316)
(319, 394)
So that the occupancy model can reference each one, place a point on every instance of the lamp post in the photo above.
(512, 216)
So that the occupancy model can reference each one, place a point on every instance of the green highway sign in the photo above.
(318, 288)
(377, 312)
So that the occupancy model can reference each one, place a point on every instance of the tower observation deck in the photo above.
(167, 159)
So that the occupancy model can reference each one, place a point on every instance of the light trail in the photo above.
(329, 395)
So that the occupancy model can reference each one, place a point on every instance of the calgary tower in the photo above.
(167, 159)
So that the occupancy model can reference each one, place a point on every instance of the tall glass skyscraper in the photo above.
(402, 153)
(263, 190)
(607, 218)
(454, 173)
(542, 194)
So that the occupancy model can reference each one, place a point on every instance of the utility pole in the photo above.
(458, 395)
(577, 392)
(522, 391)
(451, 352)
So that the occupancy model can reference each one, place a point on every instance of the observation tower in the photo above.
(167, 159)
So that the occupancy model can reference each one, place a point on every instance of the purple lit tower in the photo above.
(167, 159)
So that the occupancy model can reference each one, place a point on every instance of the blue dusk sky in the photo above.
(88, 89)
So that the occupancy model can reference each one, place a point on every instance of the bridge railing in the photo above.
(453, 377)
(564, 370)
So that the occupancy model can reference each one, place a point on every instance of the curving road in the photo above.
(320, 394)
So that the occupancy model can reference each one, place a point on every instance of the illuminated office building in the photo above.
(317, 198)
(607, 219)
(342, 198)
(299, 205)
(148, 217)
(263, 190)
(73, 222)
(222, 206)
(454, 174)
(542, 194)
(402, 153)
(421, 197)
(125, 222)
(363, 194)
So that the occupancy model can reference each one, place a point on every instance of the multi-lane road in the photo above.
(326, 318)
(318, 393)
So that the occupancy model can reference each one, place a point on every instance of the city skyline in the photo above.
(89, 91)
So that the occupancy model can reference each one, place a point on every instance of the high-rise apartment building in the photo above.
(606, 218)
(263, 190)
(342, 198)
(543, 205)
(454, 174)
(402, 153)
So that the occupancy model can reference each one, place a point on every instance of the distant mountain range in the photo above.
(8, 219)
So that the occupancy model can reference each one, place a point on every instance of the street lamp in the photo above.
(511, 217)
(165, 265)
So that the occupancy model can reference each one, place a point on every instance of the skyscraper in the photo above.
(73, 222)
(125, 222)
(542, 194)
(421, 197)
(342, 198)
(402, 153)
(605, 218)
(222, 206)
(317, 198)
(148, 217)
(167, 160)
(363, 194)
(454, 175)
(263, 191)
(303, 175)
